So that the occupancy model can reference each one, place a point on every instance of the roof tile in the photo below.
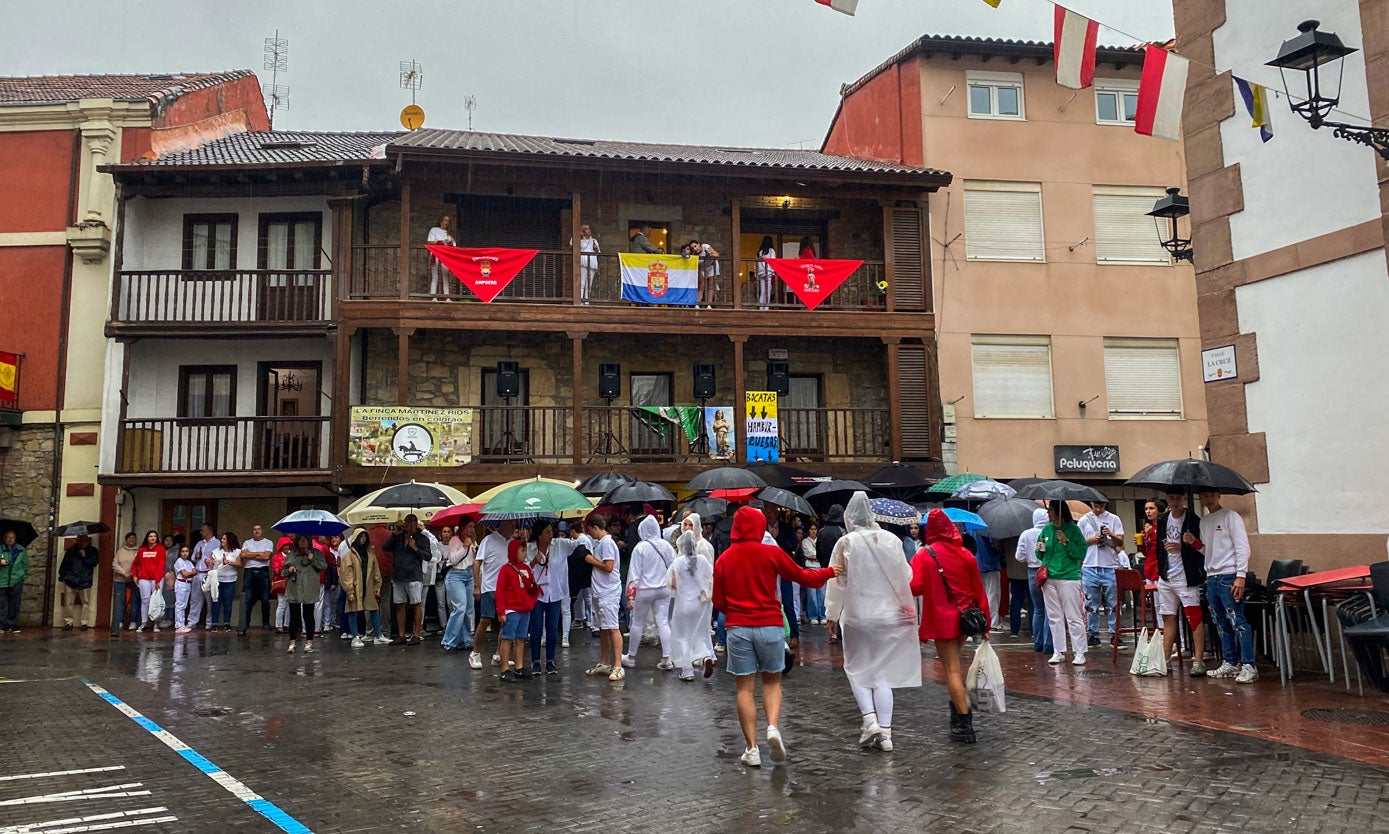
(155, 88)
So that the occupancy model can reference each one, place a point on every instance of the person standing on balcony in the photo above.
(765, 252)
(641, 242)
(76, 572)
(226, 558)
(14, 569)
(807, 249)
(588, 261)
(200, 600)
(149, 570)
(123, 612)
(709, 270)
(255, 561)
(491, 555)
(440, 279)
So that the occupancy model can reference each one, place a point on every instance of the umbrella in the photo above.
(390, 505)
(601, 483)
(24, 532)
(1191, 475)
(947, 487)
(725, 477)
(311, 523)
(901, 481)
(81, 528)
(453, 516)
(788, 477)
(1019, 483)
(984, 491)
(1061, 491)
(786, 498)
(740, 494)
(1007, 517)
(837, 491)
(638, 492)
(892, 511)
(614, 509)
(488, 495)
(706, 507)
(970, 521)
(535, 498)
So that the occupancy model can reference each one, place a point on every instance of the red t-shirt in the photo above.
(149, 563)
(746, 576)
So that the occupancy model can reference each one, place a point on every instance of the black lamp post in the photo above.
(1319, 57)
(1172, 207)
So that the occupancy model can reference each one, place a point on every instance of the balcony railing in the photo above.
(214, 445)
(523, 434)
(213, 297)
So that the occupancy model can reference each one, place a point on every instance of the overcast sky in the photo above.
(747, 72)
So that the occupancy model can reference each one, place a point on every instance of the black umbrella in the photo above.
(637, 492)
(725, 477)
(82, 528)
(1019, 483)
(1191, 475)
(414, 496)
(706, 507)
(823, 496)
(603, 482)
(788, 477)
(1061, 491)
(1007, 517)
(786, 498)
(24, 532)
(901, 481)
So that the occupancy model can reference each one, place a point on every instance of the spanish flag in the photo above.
(9, 375)
(1256, 103)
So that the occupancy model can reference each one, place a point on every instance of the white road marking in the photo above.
(108, 792)
(61, 773)
(94, 822)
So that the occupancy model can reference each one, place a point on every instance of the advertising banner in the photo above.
(762, 436)
(399, 436)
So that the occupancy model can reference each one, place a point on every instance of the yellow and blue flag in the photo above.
(1256, 102)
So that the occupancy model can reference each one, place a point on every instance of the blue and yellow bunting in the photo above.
(1255, 98)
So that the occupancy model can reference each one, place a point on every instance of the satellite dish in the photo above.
(412, 116)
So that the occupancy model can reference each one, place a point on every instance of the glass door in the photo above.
(802, 429)
(293, 243)
(503, 428)
(652, 435)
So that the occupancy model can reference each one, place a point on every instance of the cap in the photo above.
(564, 527)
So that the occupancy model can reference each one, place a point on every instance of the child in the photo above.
(278, 585)
(185, 578)
(516, 596)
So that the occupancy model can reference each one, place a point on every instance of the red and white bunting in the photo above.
(1075, 49)
(845, 6)
(1160, 94)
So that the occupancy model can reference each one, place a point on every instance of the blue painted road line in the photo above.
(235, 787)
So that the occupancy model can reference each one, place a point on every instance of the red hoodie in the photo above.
(746, 575)
(149, 562)
(516, 588)
(940, 619)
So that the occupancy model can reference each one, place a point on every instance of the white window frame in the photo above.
(1119, 87)
(1014, 188)
(1164, 345)
(994, 80)
(1013, 341)
(1143, 197)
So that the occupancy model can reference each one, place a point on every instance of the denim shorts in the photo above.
(517, 625)
(487, 606)
(753, 649)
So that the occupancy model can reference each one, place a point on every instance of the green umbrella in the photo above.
(534, 499)
(947, 487)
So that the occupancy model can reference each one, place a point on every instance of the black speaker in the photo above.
(508, 380)
(778, 377)
(704, 382)
(609, 381)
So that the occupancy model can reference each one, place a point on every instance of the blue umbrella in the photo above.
(311, 523)
(970, 520)
(892, 511)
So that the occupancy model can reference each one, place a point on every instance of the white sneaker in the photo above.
(1059, 657)
(629, 661)
(156, 629)
(665, 665)
(290, 650)
(751, 757)
(130, 627)
(885, 740)
(308, 647)
(1226, 670)
(565, 644)
(474, 660)
(1248, 673)
(344, 636)
(617, 674)
(383, 640)
(599, 670)
(870, 732)
(775, 744)
(496, 660)
(1078, 660)
(357, 642)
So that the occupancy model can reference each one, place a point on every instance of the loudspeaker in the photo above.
(704, 382)
(508, 380)
(609, 381)
(778, 377)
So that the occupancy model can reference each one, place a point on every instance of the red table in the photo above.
(1325, 583)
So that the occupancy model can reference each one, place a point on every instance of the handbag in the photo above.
(972, 620)
(1041, 576)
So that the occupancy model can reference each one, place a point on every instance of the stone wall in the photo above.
(26, 472)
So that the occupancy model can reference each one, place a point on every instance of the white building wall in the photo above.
(154, 226)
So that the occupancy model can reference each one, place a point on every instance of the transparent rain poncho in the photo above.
(692, 577)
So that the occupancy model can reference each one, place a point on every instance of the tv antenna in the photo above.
(470, 104)
(277, 61)
(411, 77)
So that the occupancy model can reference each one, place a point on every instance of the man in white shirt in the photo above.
(607, 596)
(1226, 547)
(255, 560)
(491, 557)
(1104, 536)
(202, 561)
(1181, 571)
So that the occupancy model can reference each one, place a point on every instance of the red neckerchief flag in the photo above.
(813, 279)
(486, 270)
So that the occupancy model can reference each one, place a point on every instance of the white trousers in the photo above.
(281, 612)
(656, 602)
(991, 590)
(148, 588)
(181, 593)
(197, 600)
(874, 700)
(1065, 602)
(565, 619)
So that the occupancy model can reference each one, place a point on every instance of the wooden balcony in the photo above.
(202, 450)
(203, 303)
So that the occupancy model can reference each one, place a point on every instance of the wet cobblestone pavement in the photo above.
(409, 738)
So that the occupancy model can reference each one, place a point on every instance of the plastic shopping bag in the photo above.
(210, 584)
(1157, 662)
(156, 606)
(1139, 665)
(985, 681)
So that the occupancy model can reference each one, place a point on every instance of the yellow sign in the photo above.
(412, 117)
(762, 431)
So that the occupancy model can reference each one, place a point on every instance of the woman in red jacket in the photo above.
(947, 579)
(148, 570)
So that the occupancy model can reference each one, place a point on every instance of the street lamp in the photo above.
(1172, 207)
(1319, 56)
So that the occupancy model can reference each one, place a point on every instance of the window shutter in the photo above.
(916, 402)
(908, 260)
(1143, 377)
(1124, 233)
(1012, 380)
(1003, 222)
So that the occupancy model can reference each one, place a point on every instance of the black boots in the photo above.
(961, 726)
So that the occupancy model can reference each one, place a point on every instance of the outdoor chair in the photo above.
(1131, 580)
(1369, 637)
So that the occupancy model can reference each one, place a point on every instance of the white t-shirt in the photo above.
(251, 546)
(225, 563)
(764, 271)
(1176, 570)
(1101, 555)
(438, 235)
(604, 550)
(492, 554)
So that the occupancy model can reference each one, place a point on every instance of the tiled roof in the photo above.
(154, 88)
(271, 148)
(464, 143)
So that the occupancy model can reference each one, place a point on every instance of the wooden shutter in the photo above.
(1012, 379)
(1143, 377)
(1124, 233)
(916, 402)
(1003, 221)
(908, 259)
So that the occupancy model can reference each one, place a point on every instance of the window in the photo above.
(1012, 377)
(1116, 101)
(1124, 233)
(1143, 378)
(290, 241)
(995, 95)
(1003, 221)
(799, 409)
(651, 435)
(207, 391)
(209, 241)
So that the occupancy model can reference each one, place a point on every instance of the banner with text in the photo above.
(398, 436)
(484, 270)
(660, 279)
(762, 437)
(719, 432)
